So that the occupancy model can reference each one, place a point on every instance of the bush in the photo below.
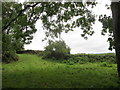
(58, 50)
(8, 49)
(9, 57)
(105, 64)
(83, 58)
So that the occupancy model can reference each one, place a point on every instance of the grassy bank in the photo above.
(32, 71)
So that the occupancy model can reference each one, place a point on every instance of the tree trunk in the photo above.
(115, 6)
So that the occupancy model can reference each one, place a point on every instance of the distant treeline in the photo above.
(29, 52)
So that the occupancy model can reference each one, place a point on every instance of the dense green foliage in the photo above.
(18, 21)
(17, 29)
(32, 71)
(107, 28)
(66, 16)
(92, 58)
(57, 50)
(8, 51)
(21, 25)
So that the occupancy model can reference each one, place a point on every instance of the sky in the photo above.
(96, 43)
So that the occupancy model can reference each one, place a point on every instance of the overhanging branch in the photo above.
(20, 12)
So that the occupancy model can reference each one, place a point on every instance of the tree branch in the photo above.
(21, 11)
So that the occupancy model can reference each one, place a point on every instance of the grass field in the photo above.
(32, 71)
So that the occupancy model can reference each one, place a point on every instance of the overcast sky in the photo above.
(95, 44)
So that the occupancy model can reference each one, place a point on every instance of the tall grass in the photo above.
(32, 71)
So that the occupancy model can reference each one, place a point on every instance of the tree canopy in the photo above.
(18, 21)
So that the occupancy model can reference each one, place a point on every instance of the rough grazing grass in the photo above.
(32, 71)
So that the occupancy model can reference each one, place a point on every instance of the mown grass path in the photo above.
(32, 71)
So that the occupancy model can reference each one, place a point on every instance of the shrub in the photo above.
(105, 64)
(83, 58)
(58, 50)
(9, 57)
(8, 49)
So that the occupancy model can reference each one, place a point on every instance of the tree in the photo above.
(115, 6)
(0, 33)
(18, 25)
(18, 21)
(64, 14)
(112, 26)
(107, 28)
(57, 50)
